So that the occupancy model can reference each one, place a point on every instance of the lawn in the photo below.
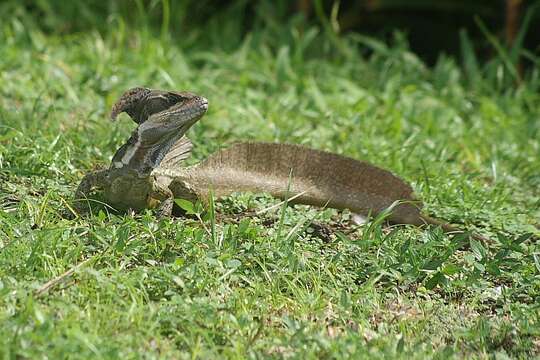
(294, 281)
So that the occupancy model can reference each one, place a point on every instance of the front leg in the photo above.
(92, 180)
(165, 208)
(165, 197)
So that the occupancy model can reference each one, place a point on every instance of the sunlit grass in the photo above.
(244, 285)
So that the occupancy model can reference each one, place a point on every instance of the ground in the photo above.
(293, 281)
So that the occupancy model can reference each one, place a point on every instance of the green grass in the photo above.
(238, 285)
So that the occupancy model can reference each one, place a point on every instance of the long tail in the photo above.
(310, 176)
(449, 228)
(307, 176)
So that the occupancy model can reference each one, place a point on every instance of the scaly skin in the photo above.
(144, 172)
(163, 118)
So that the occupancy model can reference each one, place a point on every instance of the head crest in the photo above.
(128, 99)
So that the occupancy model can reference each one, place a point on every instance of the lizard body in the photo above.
(146, 173)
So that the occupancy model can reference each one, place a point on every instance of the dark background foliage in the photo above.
(432, 27)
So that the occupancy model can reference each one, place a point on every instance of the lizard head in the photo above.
(167, 117)
(140, 103)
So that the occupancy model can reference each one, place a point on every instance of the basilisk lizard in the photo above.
(146, 173)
